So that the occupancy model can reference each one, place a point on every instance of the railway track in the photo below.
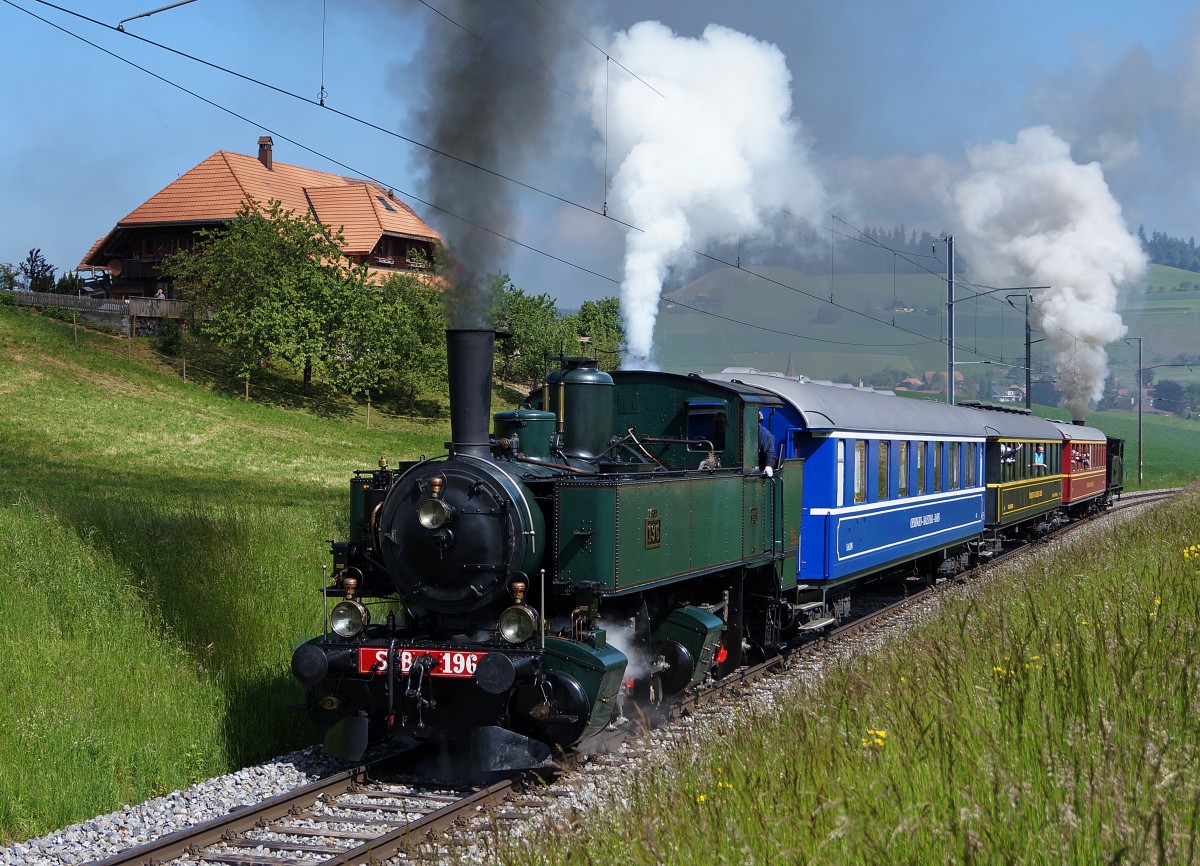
(378, 811)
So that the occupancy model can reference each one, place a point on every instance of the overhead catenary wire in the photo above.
(860, 236)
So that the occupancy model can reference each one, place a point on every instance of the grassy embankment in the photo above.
(1048, 716)
(161, 547)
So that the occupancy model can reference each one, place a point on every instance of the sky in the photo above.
(887, 99)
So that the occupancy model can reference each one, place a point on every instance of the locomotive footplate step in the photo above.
(818, 624)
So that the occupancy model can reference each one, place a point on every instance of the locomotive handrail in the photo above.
(632, 437)
(536, 461)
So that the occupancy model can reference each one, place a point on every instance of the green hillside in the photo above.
(732, 317)
(162, 545)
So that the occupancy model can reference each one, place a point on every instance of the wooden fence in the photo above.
(152, 308)
(121, 316)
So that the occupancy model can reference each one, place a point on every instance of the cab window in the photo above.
(706, 423)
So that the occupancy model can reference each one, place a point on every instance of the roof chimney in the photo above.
(264, 150)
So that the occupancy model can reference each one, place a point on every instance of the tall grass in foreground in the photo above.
(1047, 716)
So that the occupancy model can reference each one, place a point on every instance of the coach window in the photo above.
(884, 465)
(936, 481)
(860, 471)
(921, 448)
(841, 472)
(971, 468)
(902, 478)
(954, 466)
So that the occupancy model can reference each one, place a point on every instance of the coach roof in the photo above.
(837, 407)
(1004, 422)
(1077, 431)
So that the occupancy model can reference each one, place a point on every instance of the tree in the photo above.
(1169, 396)
(68, 284)
(1045, 392)
(37, 273)
(599, 321)
(393, 338)
(275, 284)
(534, 329)
(10, 277)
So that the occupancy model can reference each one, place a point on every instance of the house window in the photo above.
(902, 478)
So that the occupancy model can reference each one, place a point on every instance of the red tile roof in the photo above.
(215, 189)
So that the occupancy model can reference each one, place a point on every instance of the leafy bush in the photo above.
(170, 337)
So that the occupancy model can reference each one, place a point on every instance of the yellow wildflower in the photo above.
(701, 798)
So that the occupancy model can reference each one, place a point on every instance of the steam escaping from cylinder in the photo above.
(707, 151)
(1032, 214)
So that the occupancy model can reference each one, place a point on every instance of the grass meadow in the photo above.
(1051, 715)
(161, 545)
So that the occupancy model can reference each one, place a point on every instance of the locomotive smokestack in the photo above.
(469, 357)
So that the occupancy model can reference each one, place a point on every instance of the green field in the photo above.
(162, 545)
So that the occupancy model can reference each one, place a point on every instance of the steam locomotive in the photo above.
(622, 537)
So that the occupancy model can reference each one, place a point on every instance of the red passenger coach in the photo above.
(1083, 461)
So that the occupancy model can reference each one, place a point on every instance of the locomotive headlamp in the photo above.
(434, 513)
(518, 623)
(348, 618)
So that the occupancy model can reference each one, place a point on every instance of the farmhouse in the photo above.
(380, 230)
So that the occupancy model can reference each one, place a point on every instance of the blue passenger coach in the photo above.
(890, 483)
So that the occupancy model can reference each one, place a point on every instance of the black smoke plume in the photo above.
(492, 73)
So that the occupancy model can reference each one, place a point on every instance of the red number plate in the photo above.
(450, 663)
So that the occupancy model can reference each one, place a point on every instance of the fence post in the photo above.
(75, 324)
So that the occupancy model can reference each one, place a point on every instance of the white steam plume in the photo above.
(705, 156)
(1032, 213)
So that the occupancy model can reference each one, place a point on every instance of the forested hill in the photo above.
(1172, 252)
